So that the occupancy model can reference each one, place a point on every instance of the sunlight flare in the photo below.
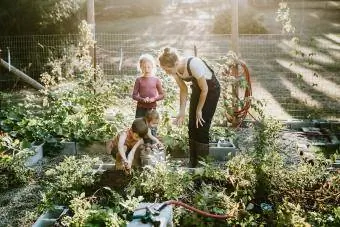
(272, 107)
(314, 54)
(323, 85)
(298, 94)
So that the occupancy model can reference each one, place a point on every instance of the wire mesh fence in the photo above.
(300, 79)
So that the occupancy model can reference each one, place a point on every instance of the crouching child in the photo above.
(124, 146)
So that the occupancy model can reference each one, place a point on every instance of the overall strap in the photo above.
(188, 66)
(189, 70)
(211, 70)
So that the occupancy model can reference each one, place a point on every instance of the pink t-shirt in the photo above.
(147, 86)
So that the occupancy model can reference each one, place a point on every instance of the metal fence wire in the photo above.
(296, 77)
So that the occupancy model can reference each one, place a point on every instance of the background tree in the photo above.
(40, 16)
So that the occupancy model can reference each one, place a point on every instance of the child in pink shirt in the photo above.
(148, 88)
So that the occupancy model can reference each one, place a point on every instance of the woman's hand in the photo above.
(199, 118)
(179, 119)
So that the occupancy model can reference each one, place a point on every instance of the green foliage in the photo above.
(217, 133)
(266, 136)
(40, 16)
(68, 180)
(111, 9)
(251, 25)
(104, 208)
(162, 182)
(174, 137)
(73, 103)
(234, 80)
(22, 119)
(289, 214)
(210, 199)
(13, 172)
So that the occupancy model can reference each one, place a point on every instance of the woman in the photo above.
(203, 100)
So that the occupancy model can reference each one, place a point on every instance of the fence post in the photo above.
(234, 27)
(235, 48)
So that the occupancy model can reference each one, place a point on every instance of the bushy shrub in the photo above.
(13, 172)
(68, 180)
(248, 25)
(111, 9)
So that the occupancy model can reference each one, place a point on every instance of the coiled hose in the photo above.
(188, 207)
(239, 115)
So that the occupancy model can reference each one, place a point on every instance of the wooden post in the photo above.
(22, 75)
(234, 27)
(195, 50)
(235, 48)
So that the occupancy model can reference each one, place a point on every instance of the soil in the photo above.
(115, 179)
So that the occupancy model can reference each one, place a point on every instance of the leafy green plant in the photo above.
(161, 181)
(175, 138)
(222, 23)
(68, 179)
(101, 209)
(13, 172)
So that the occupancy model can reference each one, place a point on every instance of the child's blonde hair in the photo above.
(151, 115)
(149, 58)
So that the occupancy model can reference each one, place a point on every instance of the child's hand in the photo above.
(147, 99)
(152, 100)
(127, 167)
(160, 146)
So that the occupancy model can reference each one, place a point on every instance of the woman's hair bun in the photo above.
(166, 50)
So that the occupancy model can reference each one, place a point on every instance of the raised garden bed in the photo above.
(37, 155)
(50, 217)
(222, 150)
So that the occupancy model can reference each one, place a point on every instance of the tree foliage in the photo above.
(40, 16)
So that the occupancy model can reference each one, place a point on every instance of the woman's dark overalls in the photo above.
(199, 137)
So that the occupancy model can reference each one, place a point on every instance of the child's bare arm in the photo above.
(153, 138)
(132, 152)
(121, 146)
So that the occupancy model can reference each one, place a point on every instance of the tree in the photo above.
(40, 16)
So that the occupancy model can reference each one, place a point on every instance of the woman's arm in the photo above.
(183, 95)
(202, 83)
